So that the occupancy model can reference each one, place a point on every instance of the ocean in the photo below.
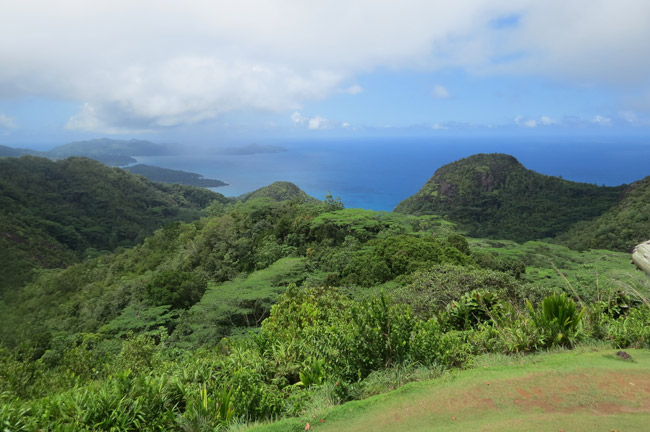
(379, 173)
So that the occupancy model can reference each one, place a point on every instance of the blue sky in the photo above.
(220, 71)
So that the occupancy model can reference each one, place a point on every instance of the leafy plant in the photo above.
(632, 330)
(204, 413)
(558, 318)
(13, 417)
(380, 334)
(472, 309)
(225, 405)
(313, 374)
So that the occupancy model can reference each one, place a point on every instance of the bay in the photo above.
(379, 173)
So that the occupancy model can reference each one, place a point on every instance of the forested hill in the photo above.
(166, 175)
(15, 152)
(108, 151)
(279, 191)
(621, 227)
(493, 195)
(54, 213)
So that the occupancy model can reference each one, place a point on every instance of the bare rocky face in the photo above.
(641, 256)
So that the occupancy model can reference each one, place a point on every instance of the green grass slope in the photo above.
(582, 390)
(620, 228)
(237, 305)
(495, 196)
(591, 274)
(55, 213)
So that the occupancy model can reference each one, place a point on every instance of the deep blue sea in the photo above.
(379, 173)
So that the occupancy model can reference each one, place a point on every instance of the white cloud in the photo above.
(603, 121)
(440, 92)
(630, 117)
(438, 126)
(89, 119)
(354, 89)
(318, 123)
(634, 118)
(345, 125)
(151, 64)
(6, 122)
(591, 43)
(521, 121)
(547, 121)
(296, 117)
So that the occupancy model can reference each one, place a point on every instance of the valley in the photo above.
(145, 306)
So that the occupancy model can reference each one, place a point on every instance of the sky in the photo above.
(212, 71)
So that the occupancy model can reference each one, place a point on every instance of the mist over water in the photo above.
(379, 173)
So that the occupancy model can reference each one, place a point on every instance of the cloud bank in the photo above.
(154, 64)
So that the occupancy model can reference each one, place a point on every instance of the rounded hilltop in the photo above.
(494, 195)
(279, 191)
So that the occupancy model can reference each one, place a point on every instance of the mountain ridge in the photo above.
(105, 150)
(619, 228)
(54, 213)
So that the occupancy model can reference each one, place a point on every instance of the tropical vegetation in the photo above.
(221, 313)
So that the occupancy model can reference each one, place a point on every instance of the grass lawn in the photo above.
(588, 389)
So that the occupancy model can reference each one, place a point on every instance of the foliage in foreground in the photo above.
(316, 341)
(134, 340)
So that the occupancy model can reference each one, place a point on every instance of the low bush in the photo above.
(632, 330)
(558, 320)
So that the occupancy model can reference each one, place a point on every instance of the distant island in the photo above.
(6, 151)
(166, 175)
(251, 149)
(105, 150)
(120, 153)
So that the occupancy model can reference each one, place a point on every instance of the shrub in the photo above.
(380, 334)
(425, 342)
(471, 309)
(14, 417)
(204, 412)
(313, 373)
(558, 320)
(432, 290)
(632, 330)
(176, 288)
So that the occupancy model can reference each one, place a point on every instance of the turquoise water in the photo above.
(377, 174)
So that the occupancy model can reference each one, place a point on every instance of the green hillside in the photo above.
(620, 228)
(261, 245)
(279, 191)
(107, 151)
(493, 195)
(166, 175)
(280, 306)
(55, 213)
(6, 151)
